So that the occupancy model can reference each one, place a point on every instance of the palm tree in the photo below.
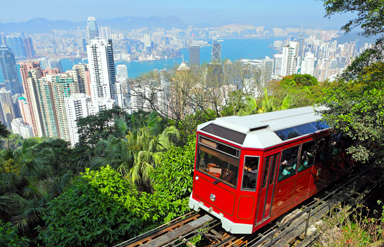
(151, 150)
(114, 152)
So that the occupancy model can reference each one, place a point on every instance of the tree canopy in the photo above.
(356, 108)
(370, 14)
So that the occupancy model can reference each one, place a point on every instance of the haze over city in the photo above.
(309, 13)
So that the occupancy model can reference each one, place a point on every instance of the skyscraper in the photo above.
(194, 56)
(7, 107)
(102, 69)
(290, 55)
(267, 69)
(28, 46)
(8, 67)
(77, 106)
(93, 31)
(216, 51)
(30, 73)
(80, 74)
(308, 64)
(16, 44)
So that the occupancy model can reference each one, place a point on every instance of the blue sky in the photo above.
(257, 12)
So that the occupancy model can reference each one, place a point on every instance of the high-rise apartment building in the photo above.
(93, 31)
(81, 77)
(290, 56)
(30, 73)
(267, 69)
(21, 128)
(194, 55)
(77, 106)
(8, 67)
(308, 64)
(216, 51)
(62, 86)
(102, 69)
(44, 98)
(278, 64)
(25, 111)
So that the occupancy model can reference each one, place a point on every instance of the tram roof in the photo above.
(266, 129)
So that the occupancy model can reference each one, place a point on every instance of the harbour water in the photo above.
(233, 49)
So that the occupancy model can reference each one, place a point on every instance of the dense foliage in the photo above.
(96, 210)
(9, 236)
(102, 208)
(356, 108)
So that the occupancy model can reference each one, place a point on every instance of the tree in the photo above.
(4, 132)
(303, 90)
(356, 108)
(370, 14)
(93, 128)
(98, 209)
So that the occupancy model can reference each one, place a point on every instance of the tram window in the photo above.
(271, 176)
(265, 174)
(288, 163)
(221, 166)
(335, 144)
(307, 155)
(251, 169)
(322, 152)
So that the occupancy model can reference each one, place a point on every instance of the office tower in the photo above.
(84, 44)
(308, 64)
(216, 51)
(21, 128)
(28, 46)
(121, 70)
(93, 31)
(105, 32)
(16, 44)
(7, 107)
(30, 73)
(77, 106)
(102, 69)
(147, 40)
(8, 67)
(194, 56)
(290, 56)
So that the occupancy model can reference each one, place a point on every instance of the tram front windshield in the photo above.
(218, 164)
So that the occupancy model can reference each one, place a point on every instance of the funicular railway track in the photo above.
(299, 224)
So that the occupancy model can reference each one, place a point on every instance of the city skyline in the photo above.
(281, 13)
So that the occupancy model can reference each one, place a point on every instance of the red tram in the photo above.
(250, 170)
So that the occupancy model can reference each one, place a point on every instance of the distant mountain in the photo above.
(126, 23)
(353, 36)
(41, 25)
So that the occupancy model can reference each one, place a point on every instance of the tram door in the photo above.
(267, 183)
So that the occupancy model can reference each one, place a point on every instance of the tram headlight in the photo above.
(197, 177)
(212, 197)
